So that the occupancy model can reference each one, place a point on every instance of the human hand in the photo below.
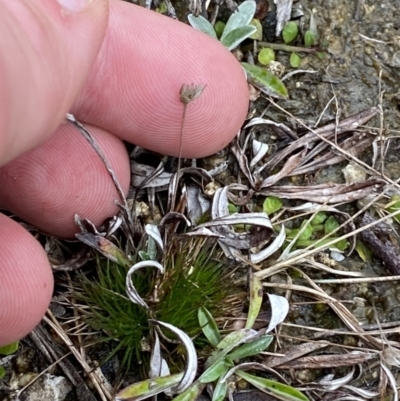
(120, 76)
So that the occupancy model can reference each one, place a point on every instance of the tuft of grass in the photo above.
(194, 277)
(110, 310)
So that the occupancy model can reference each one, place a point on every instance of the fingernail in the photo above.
(74, 6)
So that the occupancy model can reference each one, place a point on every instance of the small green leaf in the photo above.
(191, 394)
(272, 387)
(208, 326)
(342, 245)
(219, 28)
(2, 372)
(394, 206)
(147, 388)
(330, 225)
(143, 255)
(307, 232)
(295, 60)
(321, 55)
(237, 36)
(318, 219)
(271, 204)
(309, 39)
(258, 34)
(266, 55)
(265, 81)
(240, 18)
(253, 348)
(215, 371)
(363, 251)
(233, 208)
(162, 9)
(220, 391)
(229, 342)
(201, 24)
(9, 349)
(290, 32)
(256, 297)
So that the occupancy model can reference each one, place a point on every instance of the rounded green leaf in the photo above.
(237, 36)
(271, 205)
(266, 55)
(330, 225)
(215, 371)
(242, 17)
(265, 81)
(318, 219)
(219, 28)
(295, 60)
(363, 251)
(258, 34)
(309, 39)
(290, 32)
(306, 231)
(9, 349)
(201, 24)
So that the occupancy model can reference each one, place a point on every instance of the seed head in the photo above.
(190, 92)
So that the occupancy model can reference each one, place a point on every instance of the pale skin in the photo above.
(118, 68)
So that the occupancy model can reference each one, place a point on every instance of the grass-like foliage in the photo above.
(194, 277)
(111, 311)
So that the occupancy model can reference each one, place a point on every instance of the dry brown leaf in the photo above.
(294, 353)
(328, 361)
(329, 193)
(286, 170)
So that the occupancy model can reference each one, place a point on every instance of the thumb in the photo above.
(46, 50)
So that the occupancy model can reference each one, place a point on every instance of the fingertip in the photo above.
(144, 61)
(26, 281)
(48, 185)
(45, 56)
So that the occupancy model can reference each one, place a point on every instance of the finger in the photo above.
(133, 88)
(26, 281)
(49, 184)
(46, 51)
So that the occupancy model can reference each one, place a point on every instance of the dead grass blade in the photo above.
(330, 130)
(326, 193)
(291, 164)
(295, 352)
(328, 361)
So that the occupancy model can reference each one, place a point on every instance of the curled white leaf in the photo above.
(191, 360)
(269, 250)
(279, 310)
(130, 288)
(154, 233)
(260, 149)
